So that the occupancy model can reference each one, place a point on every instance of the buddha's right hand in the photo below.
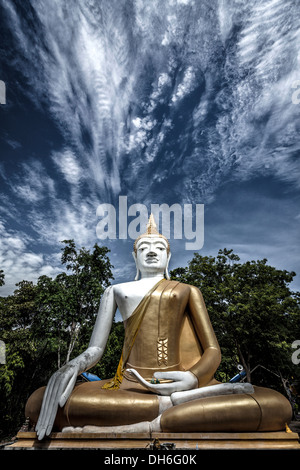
(56, 394)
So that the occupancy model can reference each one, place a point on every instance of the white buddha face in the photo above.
(151, 256)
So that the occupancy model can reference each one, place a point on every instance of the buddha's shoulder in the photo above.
(124, 286)
(183, 285)
(183, 288)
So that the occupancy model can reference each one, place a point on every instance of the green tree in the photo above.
(68, 304)
(106, 368)
(17, 374)
(41, 326)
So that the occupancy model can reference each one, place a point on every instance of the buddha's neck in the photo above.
(157, 276)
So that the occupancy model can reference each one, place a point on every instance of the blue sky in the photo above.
(179, 101)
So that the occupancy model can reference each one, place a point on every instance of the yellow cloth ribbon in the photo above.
(132, 327)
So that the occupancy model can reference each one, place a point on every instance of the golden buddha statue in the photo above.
(165, 377)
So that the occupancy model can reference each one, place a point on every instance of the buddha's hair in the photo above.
(151, 232)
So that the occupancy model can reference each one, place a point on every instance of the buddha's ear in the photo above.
(166, 270)
(137, 269)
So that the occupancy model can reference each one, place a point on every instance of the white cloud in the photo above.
(93, 79)
(186, 85)
(69, 166)
(19, 261)
(258, 128)
(66, 220)
(114, 83)
(14, 143)
(83, 74)
(32, 184)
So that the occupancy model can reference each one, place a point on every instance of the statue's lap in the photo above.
(90, 404)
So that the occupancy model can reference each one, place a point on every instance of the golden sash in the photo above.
(132, 328)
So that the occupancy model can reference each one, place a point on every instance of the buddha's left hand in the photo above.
(179, 381)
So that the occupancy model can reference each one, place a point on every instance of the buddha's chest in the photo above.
(128, 296)
(157, 341)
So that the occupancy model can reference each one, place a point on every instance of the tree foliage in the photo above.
(68, 304)
(43, 324)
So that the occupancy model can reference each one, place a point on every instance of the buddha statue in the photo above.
(165, 377)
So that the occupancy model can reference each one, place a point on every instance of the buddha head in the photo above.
(151, 252)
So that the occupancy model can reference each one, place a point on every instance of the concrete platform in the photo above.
(178, 441)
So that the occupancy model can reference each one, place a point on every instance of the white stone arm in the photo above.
(104, 321)
(62, 382)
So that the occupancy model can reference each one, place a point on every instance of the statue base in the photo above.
(158, 441)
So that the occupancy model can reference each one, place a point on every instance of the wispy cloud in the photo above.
(69, 166)
(162, 100)
(65, 221)
(18, 259)
(113, 75)
(32, 184)
(260, 124)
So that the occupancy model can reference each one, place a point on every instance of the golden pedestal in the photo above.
(158, 440)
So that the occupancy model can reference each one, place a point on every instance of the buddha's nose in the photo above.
(151, 254)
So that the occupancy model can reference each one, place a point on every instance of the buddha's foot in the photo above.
(144, 427)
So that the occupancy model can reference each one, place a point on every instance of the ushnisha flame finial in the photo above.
(151, 232)
(151, 226)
